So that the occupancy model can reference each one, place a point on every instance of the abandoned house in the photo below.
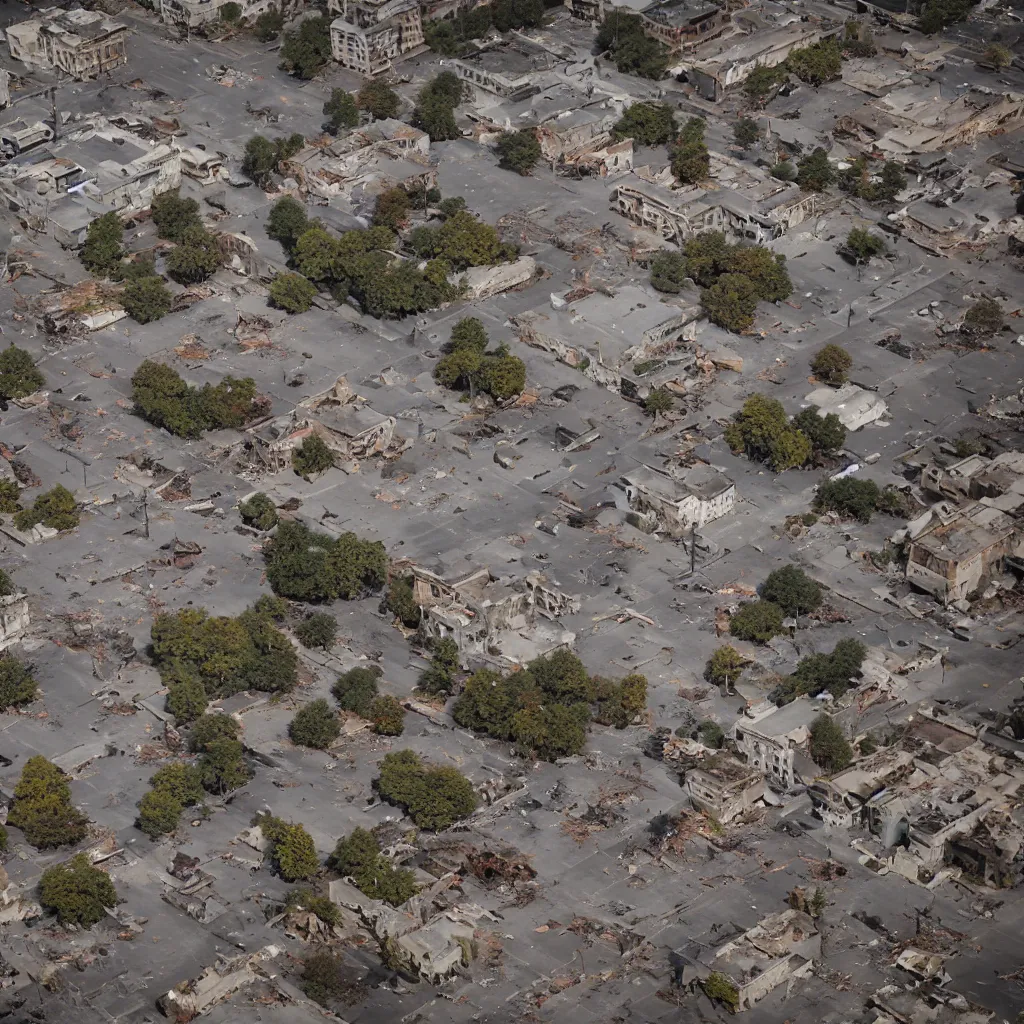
(80, 43)
(992, 852)
(755, 215)
(343, 420)
(96, 168)
(579, 142)
(681, 497)
(190, 14)
(712, 75)
(679, 24)
(723, 787)
(19, 136)
(368, 36)
(199, 995)
(855, 407)
(778, 950)
(485, 616)
(514, 70)
(772, 740)
(979, 477)
(953, 547)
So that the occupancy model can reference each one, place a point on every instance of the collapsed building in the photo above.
(681, 497)
(779, 950)
(80, 43)
(579, 142)
(489, 618)
(514, 70)
(773, 740)
(754, 214)
(339, 417)
(193, 14)
(199, 995)
(368, 36)
(92, 170)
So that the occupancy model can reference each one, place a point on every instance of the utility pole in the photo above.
(693, 547)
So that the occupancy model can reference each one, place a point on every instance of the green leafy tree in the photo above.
(315, 726)
(707, 257)
(725, 667)
(817, 64)
(562, 677)
(319, 630)
(764, 269)
(387, 715)
(391, 209)
(262, 156)
(441, 675)
(292, 293)
(762, 430)
(355, 690)
(814, 173)
(891, 182)
(935, 15)
(379, 100)
(731, 302)
(259, 511)
(77, 892)
(861, 244)
(10, 492)
(691, 161)
(307, 49)
(984, 319)
(341, 110)
(998, 56)
(828, 746)
(618, 703)
(488, 703)
(720, 988)
(288, 220)
(17, 684)
(826, 433)
(668, 271)
(761, 83)
(659, 400)
(56, 509)
(621, 34)
(19, 375)
(208, 729)
(186, 694)
(831, 364)
(746, 132)
(818, 673)
(291, 849)
(757, 621)
(784, 170)
(159, 813)
(792, 590)
(147, 299)
(463, 241)
(3, 839)
(857, 40)
(181, 781)
(550, 731)
(42, 807)
(358, 857)
(437, 118)
(647, 123)
(857, 499)
(174, 216)
(195, 258)
(434, 797)
(312, 456)
(103, 248)
(268, 25)
(710, 734)
(518, 151)
(222, 766)
(304, 565)
(401, 603)
(303, 897)
(231, 12)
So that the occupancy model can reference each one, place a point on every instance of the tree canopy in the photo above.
(467, 365)
(831, 364)
(19, 375)
(262, 155)
(259, 512)
(358, 857)
(434, 797)
(77, 892)
(307, 49)
(792, 590)
(378, 99)
(162, 398)
(814, 173)
(287, 221)
(17, 683)
(757, 621)
(304, 565)
(632, 51)
(518, 151)
(356, 689)
(341, 111)
(316, 726)
(292, 293)
(226, 655)
(42, 807)
(828, 746)
(56, 509)
(647, 123)
(173, 216)
(146, 299)
(101, 254)
(763, 431)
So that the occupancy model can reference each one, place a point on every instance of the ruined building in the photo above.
(80, 43)
(370, 35)
(488, 617)
(682, 23)
(681, 497)
(192, 14)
